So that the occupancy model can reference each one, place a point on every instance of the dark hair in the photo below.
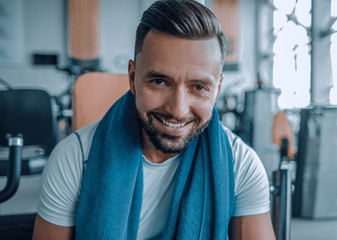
(182, 18)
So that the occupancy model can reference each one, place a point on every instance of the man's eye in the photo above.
(158, 81)
(200, 87)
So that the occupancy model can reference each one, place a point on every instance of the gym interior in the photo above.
(64, 63)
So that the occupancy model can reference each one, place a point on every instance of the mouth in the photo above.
(174, 127)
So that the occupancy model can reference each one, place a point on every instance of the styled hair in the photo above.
(186, 19)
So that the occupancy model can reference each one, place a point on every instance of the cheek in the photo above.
(203, 110)
(146, 101)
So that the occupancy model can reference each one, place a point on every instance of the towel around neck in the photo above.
(111, 194)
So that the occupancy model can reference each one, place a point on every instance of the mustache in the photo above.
(169, 117)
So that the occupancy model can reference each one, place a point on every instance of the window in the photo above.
(291, 50)
(291, 68)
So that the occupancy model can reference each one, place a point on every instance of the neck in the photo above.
(151, 153)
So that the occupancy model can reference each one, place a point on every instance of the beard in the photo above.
(166, 143)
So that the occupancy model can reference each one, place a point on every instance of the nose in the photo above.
(178, 103)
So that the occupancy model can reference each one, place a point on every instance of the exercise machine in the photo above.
(28, 133)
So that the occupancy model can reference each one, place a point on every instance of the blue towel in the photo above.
(111, 193)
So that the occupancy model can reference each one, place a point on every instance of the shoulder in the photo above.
(251, 181)
(68, 150)
(61, 179)
(241, 151)
(86, 135)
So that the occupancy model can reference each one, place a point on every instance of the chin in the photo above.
(169, 144)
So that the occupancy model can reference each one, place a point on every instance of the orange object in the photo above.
(282, 129)
(227, 11)
(94, 94)
(84, 29)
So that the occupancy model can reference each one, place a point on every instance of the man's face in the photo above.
(175, 82)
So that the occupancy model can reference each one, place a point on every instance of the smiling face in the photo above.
(175, 82)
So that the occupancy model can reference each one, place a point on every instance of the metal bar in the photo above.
(13, 179)
(285, 205)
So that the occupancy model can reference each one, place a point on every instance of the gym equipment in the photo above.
(93, 95)
(15, 146)
(256, 125)
(29, 112)
(315, 197)
(28, 133)
(281, 188)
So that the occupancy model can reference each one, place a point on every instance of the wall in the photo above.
(43, 31)
(119, 20)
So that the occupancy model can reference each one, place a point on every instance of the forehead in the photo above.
(170, 53)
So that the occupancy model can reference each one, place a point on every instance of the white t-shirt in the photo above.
(61, 183)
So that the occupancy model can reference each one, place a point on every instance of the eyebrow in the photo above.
(154, 74)
(205, 81)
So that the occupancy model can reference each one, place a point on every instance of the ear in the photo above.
(220, 84)
(131, 72)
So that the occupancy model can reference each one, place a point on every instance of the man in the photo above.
(159, 165)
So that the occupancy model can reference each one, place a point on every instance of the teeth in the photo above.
(173, 125)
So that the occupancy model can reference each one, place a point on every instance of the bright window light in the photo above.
(285, 6)
(302, 10)
(291, 68)
(334, 8)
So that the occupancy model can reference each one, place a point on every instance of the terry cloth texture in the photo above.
(111, 195)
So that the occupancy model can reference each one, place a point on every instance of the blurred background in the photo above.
(281, 59)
